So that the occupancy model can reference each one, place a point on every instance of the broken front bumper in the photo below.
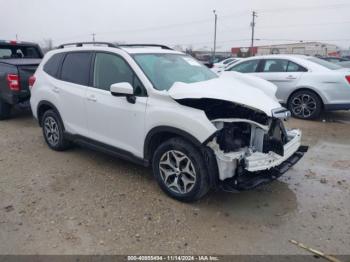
(261, 161)
(258, 167)
(249, 180)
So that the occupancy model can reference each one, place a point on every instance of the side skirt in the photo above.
(104, 148)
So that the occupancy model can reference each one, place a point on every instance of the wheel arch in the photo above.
(158, 135)
(306, 89)
(44, 106)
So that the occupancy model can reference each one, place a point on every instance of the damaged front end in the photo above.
(250, 147)
(251, 144)
(249, 153)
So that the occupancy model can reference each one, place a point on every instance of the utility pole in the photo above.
(254, 14)
(216, 20)
(93, 37)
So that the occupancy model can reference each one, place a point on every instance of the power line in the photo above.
(304, 40)
(268, 39)
(304, 8)
(303, 25)
(202, 21)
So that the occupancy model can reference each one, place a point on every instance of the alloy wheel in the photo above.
(177, 171)
(303, 105)
(51, 130)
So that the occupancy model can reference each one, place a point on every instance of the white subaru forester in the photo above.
(161, 108)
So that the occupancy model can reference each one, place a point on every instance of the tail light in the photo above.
(348, 78)
(31, 81)
(13, 82)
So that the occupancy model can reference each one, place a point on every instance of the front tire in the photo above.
(53, 131)
(305, 104)
(5, 110)
(180, 170)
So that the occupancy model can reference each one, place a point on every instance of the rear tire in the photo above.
(305, 104)
(5, 110)
(53, 131)
(180, 170)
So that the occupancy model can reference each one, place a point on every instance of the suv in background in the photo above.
(18, 61)
(161, 108)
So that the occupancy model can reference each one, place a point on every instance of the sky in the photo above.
(189, 23)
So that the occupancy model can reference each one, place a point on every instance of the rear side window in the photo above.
(52, 65)
(76, 68)
(275, 66)
(293, 67)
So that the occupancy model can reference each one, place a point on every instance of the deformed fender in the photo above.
(167, 129)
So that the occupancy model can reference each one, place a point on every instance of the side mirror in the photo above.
(121, 89)
(124, 89)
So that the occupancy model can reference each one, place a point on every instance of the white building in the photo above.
(302, 48)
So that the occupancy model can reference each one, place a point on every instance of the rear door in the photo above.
(71, 90)
(113, 120)
(283, 73)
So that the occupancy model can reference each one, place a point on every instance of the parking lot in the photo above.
(85, 202)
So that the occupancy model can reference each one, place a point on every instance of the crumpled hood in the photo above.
(245, 90)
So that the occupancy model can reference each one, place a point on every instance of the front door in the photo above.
(113, 120)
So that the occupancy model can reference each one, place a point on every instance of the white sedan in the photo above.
(218, 68)
(306, 85)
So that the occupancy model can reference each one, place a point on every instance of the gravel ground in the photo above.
(84, 202)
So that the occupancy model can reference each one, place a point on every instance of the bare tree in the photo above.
(178, 48)
(47, 45)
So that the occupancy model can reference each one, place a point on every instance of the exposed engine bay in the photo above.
(248, 142)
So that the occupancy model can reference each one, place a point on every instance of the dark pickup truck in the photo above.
(18, 62)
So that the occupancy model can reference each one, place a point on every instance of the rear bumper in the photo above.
(14, 98)
(249, 180)
(335, 107)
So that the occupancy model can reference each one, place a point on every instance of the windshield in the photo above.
(14, 51)
(324, 63)
(163, 70)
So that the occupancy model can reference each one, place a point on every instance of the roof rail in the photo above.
(145, 45)
(80, 44)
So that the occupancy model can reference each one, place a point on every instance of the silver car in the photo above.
(306, 85)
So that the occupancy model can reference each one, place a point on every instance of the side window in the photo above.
(293, 67)
(5, 53)
(246, 67)
(275, 66)
(76, 68)
(110, 69)
(52, 65)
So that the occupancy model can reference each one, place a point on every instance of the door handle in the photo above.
(56, 90)
(291, 77)
(92, 98)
